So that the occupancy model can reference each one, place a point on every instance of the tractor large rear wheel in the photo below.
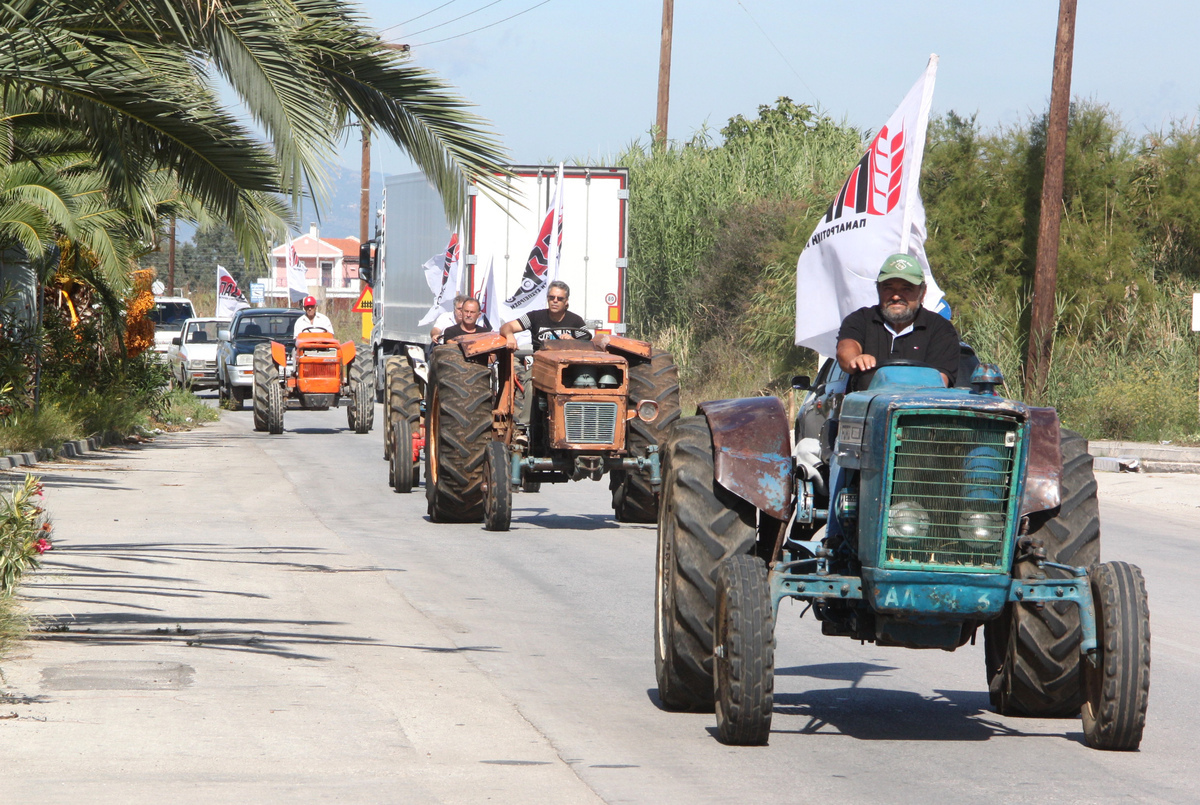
(266, 373)
(700, 525)
(633, 497)
(403, 399)
(459, 416)
(1032, 655)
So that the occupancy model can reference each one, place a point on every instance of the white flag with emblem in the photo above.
(542, 266)
(297, 276)
(877, 213)
(229, 296)
(447, 284)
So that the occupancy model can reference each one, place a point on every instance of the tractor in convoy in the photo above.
(321, 374)
(581, 412)
(916, 515)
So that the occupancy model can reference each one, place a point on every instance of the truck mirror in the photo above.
(175, 341)
(366, 267)
(222, 335)
(801, 383)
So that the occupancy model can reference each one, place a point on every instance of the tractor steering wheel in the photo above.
(314, 329)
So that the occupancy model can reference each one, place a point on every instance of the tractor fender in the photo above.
(1043, 468)
(752, 451)
(278, 353)
(481, 344)
(346, 353)
(629, 347)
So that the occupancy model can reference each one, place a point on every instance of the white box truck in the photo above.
(412, 228)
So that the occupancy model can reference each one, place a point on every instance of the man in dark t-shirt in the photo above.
(555, 322)
(898, 328)
(470, 324)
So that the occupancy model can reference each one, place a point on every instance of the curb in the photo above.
(72, 449)
(1137, 457)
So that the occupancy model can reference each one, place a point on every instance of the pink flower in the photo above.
(42, 545)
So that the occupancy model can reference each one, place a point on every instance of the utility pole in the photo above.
(664, 71)
(1045, 278)
(364, 233)
(171, 258)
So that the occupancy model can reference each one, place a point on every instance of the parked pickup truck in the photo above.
(192, 356)
(235, 352)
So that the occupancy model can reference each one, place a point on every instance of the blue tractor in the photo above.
(916, 515)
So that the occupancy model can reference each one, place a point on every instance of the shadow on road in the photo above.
(133, 593)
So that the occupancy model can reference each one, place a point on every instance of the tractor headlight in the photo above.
(980, 530)
(647, 410)
(245, 359)
(907, 521)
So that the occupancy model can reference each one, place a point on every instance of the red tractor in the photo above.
(581, 412)
(322, 374)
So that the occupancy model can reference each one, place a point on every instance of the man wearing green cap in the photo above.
(898, 328)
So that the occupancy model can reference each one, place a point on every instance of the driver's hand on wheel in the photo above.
(862, 363)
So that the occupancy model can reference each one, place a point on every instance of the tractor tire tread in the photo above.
(701, 524)
(634, 499)
(1118, 687)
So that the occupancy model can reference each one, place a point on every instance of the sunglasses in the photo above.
(557, 298)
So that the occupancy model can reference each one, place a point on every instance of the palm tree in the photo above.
(138, 79)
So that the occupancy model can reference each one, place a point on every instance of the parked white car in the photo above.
(192, 355)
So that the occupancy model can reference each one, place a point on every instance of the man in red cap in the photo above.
(312, 321)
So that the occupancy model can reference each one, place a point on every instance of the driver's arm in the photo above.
(509, 330)
(851, 357)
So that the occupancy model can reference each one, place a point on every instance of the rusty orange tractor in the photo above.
(320, 374)
(581, 412)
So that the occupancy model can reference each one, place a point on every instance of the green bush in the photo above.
(183, 409)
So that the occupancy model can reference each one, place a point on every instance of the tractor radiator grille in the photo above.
(950, 490)
(591, 422)
(321, 370)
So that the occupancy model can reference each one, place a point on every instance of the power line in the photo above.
(414, 19)
(777, 50)
(485, 27)
(456, 19)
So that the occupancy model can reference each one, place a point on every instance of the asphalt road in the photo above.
(556, 616)
(561, 609)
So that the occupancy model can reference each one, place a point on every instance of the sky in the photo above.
(577, 80)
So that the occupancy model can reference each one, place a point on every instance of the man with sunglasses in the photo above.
(553, 323)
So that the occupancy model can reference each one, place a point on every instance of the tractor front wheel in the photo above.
(266, 374)
(403, 400)
(497, 492)
(1116, 680)
(744, 652)
(1032, 654)
(400, 465)
(700, 525)
(275, 407)
(458, 419)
